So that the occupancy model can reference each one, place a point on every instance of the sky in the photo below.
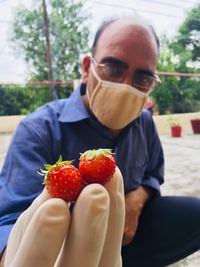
(164, 15)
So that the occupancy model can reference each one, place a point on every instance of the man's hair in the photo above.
(108, 22)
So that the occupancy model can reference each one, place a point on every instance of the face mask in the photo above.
(115, 105)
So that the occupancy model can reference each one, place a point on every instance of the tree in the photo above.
(186, 47)
(164, 92)
(68, 32)
(188, 37)
(181, 54)
(52, 89)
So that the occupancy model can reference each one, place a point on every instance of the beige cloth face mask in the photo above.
(115, 104)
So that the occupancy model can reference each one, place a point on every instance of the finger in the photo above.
(22, 223)
(128, 231)
(87, 229)
(43, 237)
(131, 221)
(111, 255)
(2, 259)
(28, 214)
(128, 236)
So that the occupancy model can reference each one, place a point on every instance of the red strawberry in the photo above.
(97, 166)
(63, 180)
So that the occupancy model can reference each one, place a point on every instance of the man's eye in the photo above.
(143, 80)
(114, 71)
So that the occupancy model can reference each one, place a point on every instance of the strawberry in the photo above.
(97, 166)
(63, 180)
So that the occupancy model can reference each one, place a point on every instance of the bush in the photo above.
(23, 99)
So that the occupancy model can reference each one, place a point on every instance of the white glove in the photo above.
(46, 235)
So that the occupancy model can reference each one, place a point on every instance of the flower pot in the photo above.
(176, 131)
(195, 126)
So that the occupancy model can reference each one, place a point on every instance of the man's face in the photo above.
(129, 45)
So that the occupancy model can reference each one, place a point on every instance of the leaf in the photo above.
(69, 36)
(47, 166)
(59, 160)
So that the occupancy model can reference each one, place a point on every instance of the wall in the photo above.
(184, 120)
(9, 123)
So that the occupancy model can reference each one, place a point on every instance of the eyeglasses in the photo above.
(117, 72)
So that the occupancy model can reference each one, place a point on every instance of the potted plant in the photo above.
(195, 125)
(176, 128)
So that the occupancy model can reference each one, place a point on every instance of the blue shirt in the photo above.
(64, 127)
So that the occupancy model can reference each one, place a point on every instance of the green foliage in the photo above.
(12, 102)
(22, 100)
(187, 39)
(173, 122)
(176, 94)
(68, 35)
(180, 94)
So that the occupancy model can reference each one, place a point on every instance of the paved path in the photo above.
(182, 165)
(182, 173)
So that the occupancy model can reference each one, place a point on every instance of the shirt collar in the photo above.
(74, 109)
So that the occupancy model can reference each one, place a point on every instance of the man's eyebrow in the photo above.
(114, 60)
(146, 72)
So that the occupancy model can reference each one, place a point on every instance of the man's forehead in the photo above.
(125, 22)
(126, 34)
(123, 29)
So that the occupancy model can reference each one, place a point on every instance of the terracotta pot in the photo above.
(195, 126)
(176, 131)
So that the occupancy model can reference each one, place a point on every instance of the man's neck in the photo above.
(115, 133)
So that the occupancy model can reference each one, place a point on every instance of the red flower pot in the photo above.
(196, 126)
(176, 131)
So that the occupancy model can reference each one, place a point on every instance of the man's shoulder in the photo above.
(48, 112)
(144, 119)
(146, 115)
(144, 123)
(148, 123)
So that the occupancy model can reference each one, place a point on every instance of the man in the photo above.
(107, 113)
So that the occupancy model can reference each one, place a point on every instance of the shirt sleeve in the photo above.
(20, 184)
(154, 172)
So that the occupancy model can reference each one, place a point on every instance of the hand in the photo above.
(47, 235)
(134, 202)
(45, 222)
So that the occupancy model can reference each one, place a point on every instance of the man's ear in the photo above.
(85, 68)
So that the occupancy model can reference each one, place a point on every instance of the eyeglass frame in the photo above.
(154, 78)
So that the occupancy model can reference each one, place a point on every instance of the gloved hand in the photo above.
(47, 235)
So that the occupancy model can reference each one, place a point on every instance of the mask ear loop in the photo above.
(94, 72)
(96, 76)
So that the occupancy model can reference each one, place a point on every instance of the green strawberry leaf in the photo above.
(67, 162)
(59, 160)
(47, 166)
